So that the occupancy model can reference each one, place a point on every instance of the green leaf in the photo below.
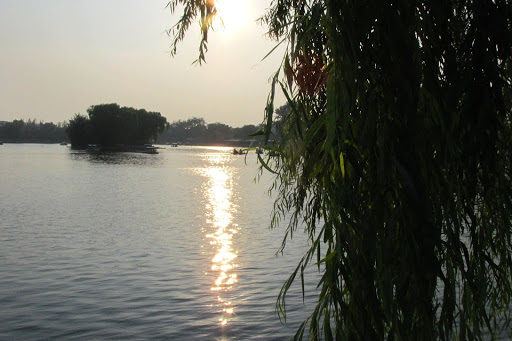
(265, 165)
(329, 257)
(342, 165)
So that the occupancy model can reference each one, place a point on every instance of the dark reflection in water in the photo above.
(136, 159)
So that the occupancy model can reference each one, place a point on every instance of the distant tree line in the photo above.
(111, 125)
(31, 131)
(196, 131)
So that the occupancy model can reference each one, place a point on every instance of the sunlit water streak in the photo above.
(218, 189)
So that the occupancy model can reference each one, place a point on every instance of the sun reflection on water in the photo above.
(218, 191)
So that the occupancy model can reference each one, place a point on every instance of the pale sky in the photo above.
(58, 57)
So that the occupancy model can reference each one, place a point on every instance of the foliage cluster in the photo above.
(30, 131)
(197, 131)
(110, 125)
(396, 159)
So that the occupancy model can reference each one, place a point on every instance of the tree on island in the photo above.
(79, 131)
(397, 159)
(110, 125)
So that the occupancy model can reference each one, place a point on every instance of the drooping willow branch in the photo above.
(395, 156)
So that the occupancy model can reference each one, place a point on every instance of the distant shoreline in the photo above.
(194, 132)
(33, 142)
(242, 143)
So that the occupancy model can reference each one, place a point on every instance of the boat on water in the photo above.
(239, 151)
(63, 143)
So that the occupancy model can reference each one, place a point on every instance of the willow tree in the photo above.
(396, 158)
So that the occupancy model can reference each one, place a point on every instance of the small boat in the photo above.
(239, 151)
(63, 144)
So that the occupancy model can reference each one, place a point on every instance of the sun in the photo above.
(232, 14)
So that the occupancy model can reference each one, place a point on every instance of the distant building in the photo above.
(2, 123)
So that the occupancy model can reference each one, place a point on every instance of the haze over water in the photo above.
(135, 246)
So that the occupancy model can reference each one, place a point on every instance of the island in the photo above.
(109, 127)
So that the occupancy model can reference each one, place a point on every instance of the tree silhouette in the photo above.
(111, 125)
(30, 131)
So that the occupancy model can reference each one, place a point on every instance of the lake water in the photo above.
(132, 246)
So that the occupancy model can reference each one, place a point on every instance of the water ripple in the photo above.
(130, 247)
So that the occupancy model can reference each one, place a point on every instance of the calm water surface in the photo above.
(132, 246)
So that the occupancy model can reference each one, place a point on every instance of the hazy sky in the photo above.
(58, 57)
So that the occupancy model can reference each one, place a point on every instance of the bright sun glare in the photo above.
(232, 13)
